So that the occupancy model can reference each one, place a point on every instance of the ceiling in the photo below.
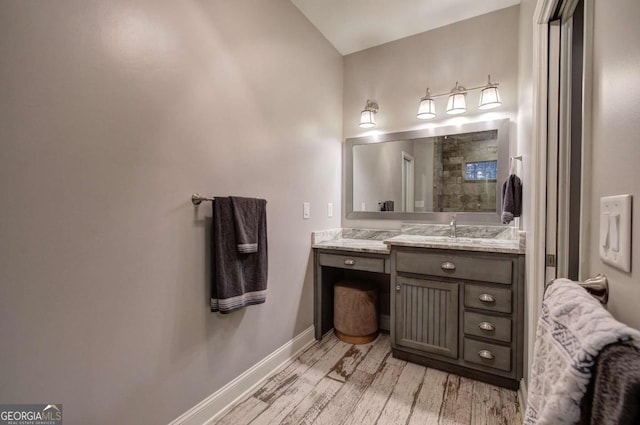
(354, 25)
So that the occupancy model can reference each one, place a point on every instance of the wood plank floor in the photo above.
(335, 383)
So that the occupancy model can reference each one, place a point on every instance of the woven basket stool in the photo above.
(355, 311)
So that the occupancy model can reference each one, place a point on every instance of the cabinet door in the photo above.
(426, 316)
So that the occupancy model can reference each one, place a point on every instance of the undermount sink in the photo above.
(472, 233)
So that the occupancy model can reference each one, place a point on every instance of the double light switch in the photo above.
(615, 231)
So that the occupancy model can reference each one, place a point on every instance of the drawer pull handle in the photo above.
(486, 354)
(448, 265)
(397, 287)
(486, 298)
(486, 326)
(349, 262)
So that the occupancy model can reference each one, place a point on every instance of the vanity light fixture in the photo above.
(457, 100)
(427, 107)
(368, 115)
(489, 96)
(457, 103)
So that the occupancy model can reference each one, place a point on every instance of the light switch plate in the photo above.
(615, 238)
(306, 210)
(330, 210)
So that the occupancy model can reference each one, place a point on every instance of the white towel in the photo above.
(572, 329)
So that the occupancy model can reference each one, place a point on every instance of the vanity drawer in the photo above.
(486, 354)
(352, 262)
(496, 270)
(484, 325)
(487, 298)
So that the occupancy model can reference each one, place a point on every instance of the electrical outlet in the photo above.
(329, 210)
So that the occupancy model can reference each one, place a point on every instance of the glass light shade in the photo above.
(426, 109)
(367, 119)
(456, 104)
(489, 98)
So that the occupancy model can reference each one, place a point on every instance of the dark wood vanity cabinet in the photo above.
(426, 316)
(332, 266)
(459, 311)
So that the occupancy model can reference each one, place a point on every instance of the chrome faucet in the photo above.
(452, 227)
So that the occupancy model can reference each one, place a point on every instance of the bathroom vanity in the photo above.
(451, 304)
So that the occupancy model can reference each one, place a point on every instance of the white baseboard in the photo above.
(522, 396)
(212, 406)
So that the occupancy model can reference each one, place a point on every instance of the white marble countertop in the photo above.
(355, 245)
(354, 240)
(466, 244)
(487, 239)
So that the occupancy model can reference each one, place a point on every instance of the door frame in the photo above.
(408, 171)
(565, 172)
(543, 13)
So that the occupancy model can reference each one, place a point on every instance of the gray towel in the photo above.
(613, 396)
(247, 213)
(238, 279)
(511, 199)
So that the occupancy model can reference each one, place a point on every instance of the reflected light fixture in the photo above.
(489, 96)
(457, 103)
(368, 115)
(427, 107)
(457, 100)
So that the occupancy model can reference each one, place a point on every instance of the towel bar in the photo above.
(597, 286)
(197, 199)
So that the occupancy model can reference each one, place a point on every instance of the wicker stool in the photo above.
(355, 312)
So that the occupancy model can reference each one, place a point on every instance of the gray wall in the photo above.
(615, 167)
(111, 115)
(377, 173)
(397, 74)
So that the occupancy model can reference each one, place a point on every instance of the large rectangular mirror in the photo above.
(428, 174)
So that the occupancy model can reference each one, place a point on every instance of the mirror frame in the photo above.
(502, 125)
